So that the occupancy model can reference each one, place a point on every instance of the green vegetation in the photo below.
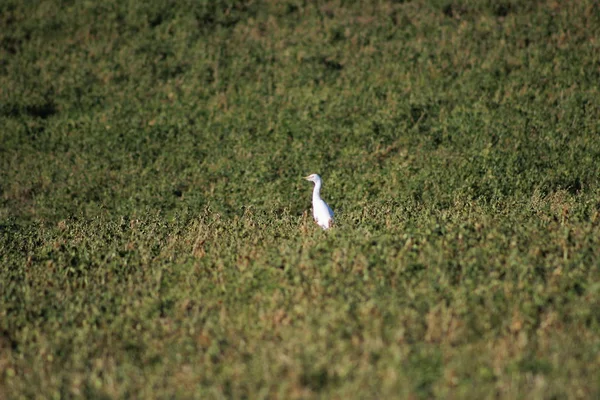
(155, 230)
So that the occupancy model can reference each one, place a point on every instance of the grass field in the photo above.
(156, 239)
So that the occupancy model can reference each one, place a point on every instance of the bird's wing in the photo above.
(330, 210)
(322, 211)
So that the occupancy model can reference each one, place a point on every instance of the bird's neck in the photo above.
(317, 191)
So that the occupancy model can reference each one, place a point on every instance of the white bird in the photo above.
(321, 211)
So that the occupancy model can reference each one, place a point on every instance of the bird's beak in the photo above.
(307, 178)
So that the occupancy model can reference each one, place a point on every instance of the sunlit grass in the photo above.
(156, 234)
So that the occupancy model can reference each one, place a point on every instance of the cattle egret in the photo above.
(321, 211)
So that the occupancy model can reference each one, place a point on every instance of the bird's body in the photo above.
(321, 212)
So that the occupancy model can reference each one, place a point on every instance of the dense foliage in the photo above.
(155, 230)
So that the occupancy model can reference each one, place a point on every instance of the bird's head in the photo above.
(313, 178)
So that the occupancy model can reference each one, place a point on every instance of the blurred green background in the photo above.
(156, 236)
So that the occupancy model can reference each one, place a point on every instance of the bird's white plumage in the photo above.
(321, 212)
